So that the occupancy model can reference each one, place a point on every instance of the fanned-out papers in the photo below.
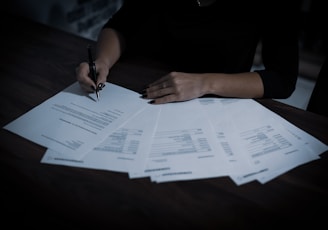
(197, 139)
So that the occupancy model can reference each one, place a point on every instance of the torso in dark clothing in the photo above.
(222, 37)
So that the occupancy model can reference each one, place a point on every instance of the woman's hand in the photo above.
(176, 86)
(86, 82)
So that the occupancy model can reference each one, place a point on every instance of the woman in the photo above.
(210, 45)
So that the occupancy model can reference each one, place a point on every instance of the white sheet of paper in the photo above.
(201, 138)
(222, 123)
(310, 144)
(73, 122)
(269, 146)
(184, 145)
(125, 150)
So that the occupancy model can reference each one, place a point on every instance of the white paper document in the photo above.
(196, 139)
(264, 139)
(184, 145)
(72, 122)
(125, 150)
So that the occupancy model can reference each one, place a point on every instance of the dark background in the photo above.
(85, 18)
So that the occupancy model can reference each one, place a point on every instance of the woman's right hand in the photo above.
(84, 79)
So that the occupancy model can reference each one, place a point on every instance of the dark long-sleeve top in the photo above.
(220, 38)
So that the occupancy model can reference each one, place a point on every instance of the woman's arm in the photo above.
(177, 86)
(109, 49)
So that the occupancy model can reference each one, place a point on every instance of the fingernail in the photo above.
(101, 86)
(144, 95)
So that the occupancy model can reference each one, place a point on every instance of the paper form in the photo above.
(184, 145)
(311, 144)
(222, 123)
(73, 122)
(196, 139)
(267, 143)
(125, 150)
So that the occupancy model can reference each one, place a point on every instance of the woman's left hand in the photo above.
(175, 86)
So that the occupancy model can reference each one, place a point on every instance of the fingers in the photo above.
(161, 83)
(101, 86)
(161, 93)
(82, 75)
(158, 89)
(86, 83)
(164, 99)
(176, 86)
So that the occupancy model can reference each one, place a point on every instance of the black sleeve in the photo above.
(280, 51)
(320, 92)
(137, 22)
(130, 16)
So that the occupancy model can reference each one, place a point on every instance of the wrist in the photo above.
(104, 63)
(211, 84)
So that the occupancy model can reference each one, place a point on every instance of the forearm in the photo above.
(240, 85)
(110, 45)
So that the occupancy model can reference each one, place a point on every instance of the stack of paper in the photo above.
(200, 138)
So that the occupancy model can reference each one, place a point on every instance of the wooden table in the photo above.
(37, 62)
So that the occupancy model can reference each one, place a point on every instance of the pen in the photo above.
(93, 71)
